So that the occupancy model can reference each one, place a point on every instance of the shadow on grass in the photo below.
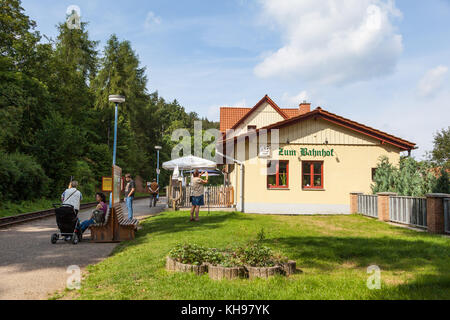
(171, 223)
(327, 252)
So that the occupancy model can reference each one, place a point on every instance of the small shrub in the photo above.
(188, 254)
(228, 258)
(257, 255)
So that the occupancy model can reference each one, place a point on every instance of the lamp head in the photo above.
(116, 99)
(158, 147)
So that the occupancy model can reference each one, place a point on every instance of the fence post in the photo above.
(354, 202)
(435, 212)
(383, 205)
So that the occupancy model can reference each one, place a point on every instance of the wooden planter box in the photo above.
(219, 273)
(172, 265)
(257, 272)
(288, 268)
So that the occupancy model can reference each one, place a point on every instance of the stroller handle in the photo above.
(59, 205)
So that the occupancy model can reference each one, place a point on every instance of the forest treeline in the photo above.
(55, 117)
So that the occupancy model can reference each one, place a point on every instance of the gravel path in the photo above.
(33, 268)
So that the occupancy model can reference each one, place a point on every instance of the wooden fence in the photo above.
(215, 196)
(368, 205)
(408, 210)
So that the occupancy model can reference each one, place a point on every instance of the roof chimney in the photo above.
(305, 107)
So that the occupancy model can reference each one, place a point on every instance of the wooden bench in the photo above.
(127, 227)
(117, 227)
(103, 232)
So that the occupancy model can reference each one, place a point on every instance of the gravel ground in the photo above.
(33, 268)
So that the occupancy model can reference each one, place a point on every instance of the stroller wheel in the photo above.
(75, 239)
(54, 238)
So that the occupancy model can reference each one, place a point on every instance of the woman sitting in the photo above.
(102, 206)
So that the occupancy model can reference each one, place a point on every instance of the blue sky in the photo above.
(383, 63)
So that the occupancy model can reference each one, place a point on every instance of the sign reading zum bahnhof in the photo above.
(306, 152)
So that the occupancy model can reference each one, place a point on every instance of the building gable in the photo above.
(262, 116)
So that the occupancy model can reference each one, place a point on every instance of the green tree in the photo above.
(441, 152)
(443, 183)
(411, 178)
(59, 145)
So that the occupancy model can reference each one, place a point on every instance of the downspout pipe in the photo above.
(242, 166)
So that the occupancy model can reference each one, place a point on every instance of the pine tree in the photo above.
(443, 183)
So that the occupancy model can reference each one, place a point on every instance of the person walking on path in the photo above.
(154, 191)
(72, 196)
(130, 188)
(197, 196)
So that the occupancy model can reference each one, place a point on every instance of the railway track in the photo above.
(30, 216)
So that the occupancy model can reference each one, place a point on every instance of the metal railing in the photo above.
(368, 205)
(447, 215)
(408, 210)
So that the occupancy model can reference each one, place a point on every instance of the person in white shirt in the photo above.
(72, 196)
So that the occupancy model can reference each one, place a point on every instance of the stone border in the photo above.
(262, 272)
(219, 272)
(173, 265)
(289, 268)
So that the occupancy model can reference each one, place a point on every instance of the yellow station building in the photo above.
(300, 161)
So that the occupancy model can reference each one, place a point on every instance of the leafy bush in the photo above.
(21, 178)
(254, 253)
(188, 254)
(227, 258)
(411, 178)
(257, 255)
(443, 183)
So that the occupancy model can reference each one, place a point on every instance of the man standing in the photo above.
(154, 191)
(130, 188)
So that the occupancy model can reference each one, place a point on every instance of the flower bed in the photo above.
(187, 258)
(253, 260)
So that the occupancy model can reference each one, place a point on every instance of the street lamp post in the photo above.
(157, 165)
(117, 100)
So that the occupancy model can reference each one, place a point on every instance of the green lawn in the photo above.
(332, 251)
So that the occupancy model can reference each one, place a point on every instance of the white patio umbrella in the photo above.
(189, 163)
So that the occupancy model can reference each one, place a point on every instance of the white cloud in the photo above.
(151, 20)
(332, 41)
(296, 99)
(432, 81)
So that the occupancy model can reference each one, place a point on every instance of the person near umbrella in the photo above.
(197, 195)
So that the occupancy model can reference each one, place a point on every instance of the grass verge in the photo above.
(333, 252)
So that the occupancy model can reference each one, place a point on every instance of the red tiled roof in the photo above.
(291, 112)
(229, 116)
(352, 125)
(383, 137)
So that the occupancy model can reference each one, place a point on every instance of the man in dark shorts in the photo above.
(197, 190)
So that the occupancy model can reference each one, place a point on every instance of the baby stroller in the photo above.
(68, 224)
